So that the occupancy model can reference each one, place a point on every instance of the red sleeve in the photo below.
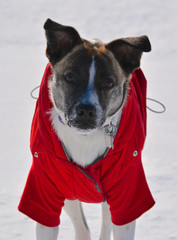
(131, 197)
(41, 200)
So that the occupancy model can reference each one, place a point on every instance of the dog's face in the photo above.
(90, 79)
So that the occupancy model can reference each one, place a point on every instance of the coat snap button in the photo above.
(36, 155)
(135, 153)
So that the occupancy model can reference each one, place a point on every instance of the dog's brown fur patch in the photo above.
(96, 48)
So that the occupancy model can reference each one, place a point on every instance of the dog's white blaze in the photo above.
(92, 73)
(90, 96)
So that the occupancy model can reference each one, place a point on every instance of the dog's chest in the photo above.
(81, 149)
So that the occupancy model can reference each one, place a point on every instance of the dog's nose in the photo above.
(85, 111)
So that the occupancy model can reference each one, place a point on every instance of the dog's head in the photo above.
(90, 79)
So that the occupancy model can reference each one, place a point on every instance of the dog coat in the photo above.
(118, 178)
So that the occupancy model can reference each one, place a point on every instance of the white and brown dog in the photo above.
(90, 89)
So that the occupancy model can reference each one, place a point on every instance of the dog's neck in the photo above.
(82, 149)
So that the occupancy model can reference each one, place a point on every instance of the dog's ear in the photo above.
(60, 40)
(128, 51)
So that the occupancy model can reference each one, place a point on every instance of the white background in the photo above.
(22, 63)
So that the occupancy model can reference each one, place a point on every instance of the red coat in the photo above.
(118, 178)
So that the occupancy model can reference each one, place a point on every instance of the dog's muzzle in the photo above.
(85, 117)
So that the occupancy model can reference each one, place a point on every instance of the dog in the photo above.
(87, 135)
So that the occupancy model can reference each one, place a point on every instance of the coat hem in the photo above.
(40, 216)
(119, 220)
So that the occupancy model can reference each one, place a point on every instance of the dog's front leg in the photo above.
(75, 211)
(125, 232)
(106, 222)
(46, 233)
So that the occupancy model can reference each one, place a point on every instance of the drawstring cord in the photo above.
(149, 99)
(161, 104)
(32, 91)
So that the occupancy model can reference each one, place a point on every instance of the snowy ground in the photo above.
(22, 62)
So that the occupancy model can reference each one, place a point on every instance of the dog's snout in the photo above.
(86, 111)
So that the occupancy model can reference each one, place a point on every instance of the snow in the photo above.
(22, 62)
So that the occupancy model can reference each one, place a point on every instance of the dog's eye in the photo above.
(107, 83)
(70, 77)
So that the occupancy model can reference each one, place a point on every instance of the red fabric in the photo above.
(119, 175)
